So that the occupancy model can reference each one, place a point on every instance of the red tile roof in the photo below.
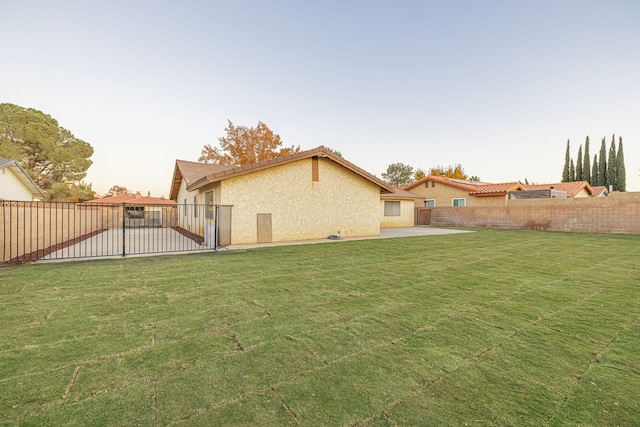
(200, 174)
(598, 190)
(571, 188)
(462, 185)
(473, 187)
(496, 189)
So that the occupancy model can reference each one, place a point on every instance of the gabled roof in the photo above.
(23, 176)
(600, 190)
(400, 194)
(496, 189)
(457, 183)
(571, 188)
(133, 199)
(474, 188)
(197, 175)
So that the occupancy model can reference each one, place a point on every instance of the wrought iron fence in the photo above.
(32, 231)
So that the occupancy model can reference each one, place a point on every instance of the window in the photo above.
(430, 203)
(459, 202)
(208, 201)
(433, 184)
(195, 206)
(391, 208)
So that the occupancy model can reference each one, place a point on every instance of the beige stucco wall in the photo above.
(11, 188)
(186, 213)
(340, 202)
(582, 193)
(404, 220)
(444, 194)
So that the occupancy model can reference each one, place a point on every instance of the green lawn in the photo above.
(488, 328)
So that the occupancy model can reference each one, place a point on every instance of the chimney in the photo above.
(138, 195)
(148, 193)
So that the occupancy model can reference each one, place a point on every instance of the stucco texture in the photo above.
(406, 218)
(11, 188)
(339, 203)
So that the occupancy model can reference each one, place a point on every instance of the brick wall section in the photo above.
(618, 213)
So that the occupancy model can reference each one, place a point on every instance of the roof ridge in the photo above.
(264, 164)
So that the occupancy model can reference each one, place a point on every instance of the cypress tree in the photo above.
(620, 168)
(612, 178)
(572, 172)
(595, 177)
(586, 167)
(579, 166)
(602, 164)
(567, 160)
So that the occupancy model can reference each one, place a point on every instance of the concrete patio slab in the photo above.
(155, 241)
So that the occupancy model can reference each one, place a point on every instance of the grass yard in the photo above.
(489, 328)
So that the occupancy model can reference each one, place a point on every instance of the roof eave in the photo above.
(175, 183)
(319, 151)
(24, 177)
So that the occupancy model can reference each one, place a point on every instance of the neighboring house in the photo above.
(600, 191)
(16, 184)
(306, 195)
(142, 211)
(397, 209)
(439, 191)
(573, 189)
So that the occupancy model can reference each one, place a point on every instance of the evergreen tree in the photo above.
(595, 177)
(611, 166)
(567, 160)
(398, 174)
(620, 168)
(572, 172)
(586, 167)
(602, 164)
(579, 166)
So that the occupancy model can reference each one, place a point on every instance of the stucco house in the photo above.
(16, 184)
(306, 195)
(438, 191)
(397, 209)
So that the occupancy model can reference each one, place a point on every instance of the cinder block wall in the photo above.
(618, 213)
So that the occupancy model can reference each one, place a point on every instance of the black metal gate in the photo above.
(32, 231)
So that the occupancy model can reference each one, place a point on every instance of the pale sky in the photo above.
(498, 86)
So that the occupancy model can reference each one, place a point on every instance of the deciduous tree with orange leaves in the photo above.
(452, 171)
(244, 145)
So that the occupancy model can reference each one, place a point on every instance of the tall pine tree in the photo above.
(586, 167)
(620, 168)
(602, 164)
(595, 177)
(578, 176)
(612, 178)
(572, 172)
(567, 161)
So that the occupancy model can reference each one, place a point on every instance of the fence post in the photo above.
(124, 231)
(215, 227)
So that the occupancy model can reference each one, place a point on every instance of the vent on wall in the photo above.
(314, 169)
